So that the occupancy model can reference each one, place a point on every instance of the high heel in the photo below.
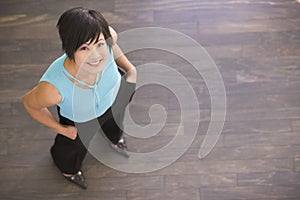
(121, 147)
(78, 179)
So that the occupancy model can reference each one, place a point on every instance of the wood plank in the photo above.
(197, 181)
(191, 194)
(275, 178)
(242, 152)
(250, 192)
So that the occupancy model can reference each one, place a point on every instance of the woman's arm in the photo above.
(122, 60)
(36, 102)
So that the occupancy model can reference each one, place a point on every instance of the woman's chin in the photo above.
(93, 69)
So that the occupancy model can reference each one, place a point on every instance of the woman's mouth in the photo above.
(95, 63)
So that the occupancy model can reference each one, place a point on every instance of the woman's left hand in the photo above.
(131, 75)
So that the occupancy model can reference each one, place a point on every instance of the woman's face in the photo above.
(91, 57)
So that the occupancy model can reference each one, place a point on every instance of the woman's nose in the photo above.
(95, 54)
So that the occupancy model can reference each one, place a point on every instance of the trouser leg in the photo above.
(110, 126)
(112, 122)
(68, 154)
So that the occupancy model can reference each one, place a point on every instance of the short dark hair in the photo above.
(79, 25)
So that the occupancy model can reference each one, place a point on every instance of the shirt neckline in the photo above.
(90, 86)
(71, 76)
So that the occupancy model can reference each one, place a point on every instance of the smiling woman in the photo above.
(89, 59)
(84, 83)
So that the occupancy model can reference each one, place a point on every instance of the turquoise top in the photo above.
(80, 104)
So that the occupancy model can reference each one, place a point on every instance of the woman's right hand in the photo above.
(69, 132)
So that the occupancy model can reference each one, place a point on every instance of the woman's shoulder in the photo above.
(48, 94)
(55, 70)
(54, 75)
(58, 63)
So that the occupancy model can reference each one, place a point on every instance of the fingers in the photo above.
(70, 132)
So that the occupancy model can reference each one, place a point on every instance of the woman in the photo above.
(84, 84)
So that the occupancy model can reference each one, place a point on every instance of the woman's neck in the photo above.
(79, 73)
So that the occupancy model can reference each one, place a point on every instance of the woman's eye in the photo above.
(83, 48)
(101, 44)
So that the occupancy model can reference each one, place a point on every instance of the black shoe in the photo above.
(122, 144)
(78, 179)
(121, 147)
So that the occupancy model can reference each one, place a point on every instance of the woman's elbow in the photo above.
(24, 101)
(27, 100)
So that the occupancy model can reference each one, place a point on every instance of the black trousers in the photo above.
(69, 154)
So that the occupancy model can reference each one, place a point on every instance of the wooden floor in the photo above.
(256, 46)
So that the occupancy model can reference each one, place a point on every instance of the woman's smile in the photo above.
(95, 63)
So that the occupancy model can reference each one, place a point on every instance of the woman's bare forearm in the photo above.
(125, 64)
(43, 116)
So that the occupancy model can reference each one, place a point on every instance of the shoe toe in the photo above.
(78, 179)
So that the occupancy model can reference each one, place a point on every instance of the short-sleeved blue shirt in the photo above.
(80, 104)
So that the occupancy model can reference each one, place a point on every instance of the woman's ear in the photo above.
(113, 34)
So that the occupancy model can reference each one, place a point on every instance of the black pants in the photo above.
(68, 154)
